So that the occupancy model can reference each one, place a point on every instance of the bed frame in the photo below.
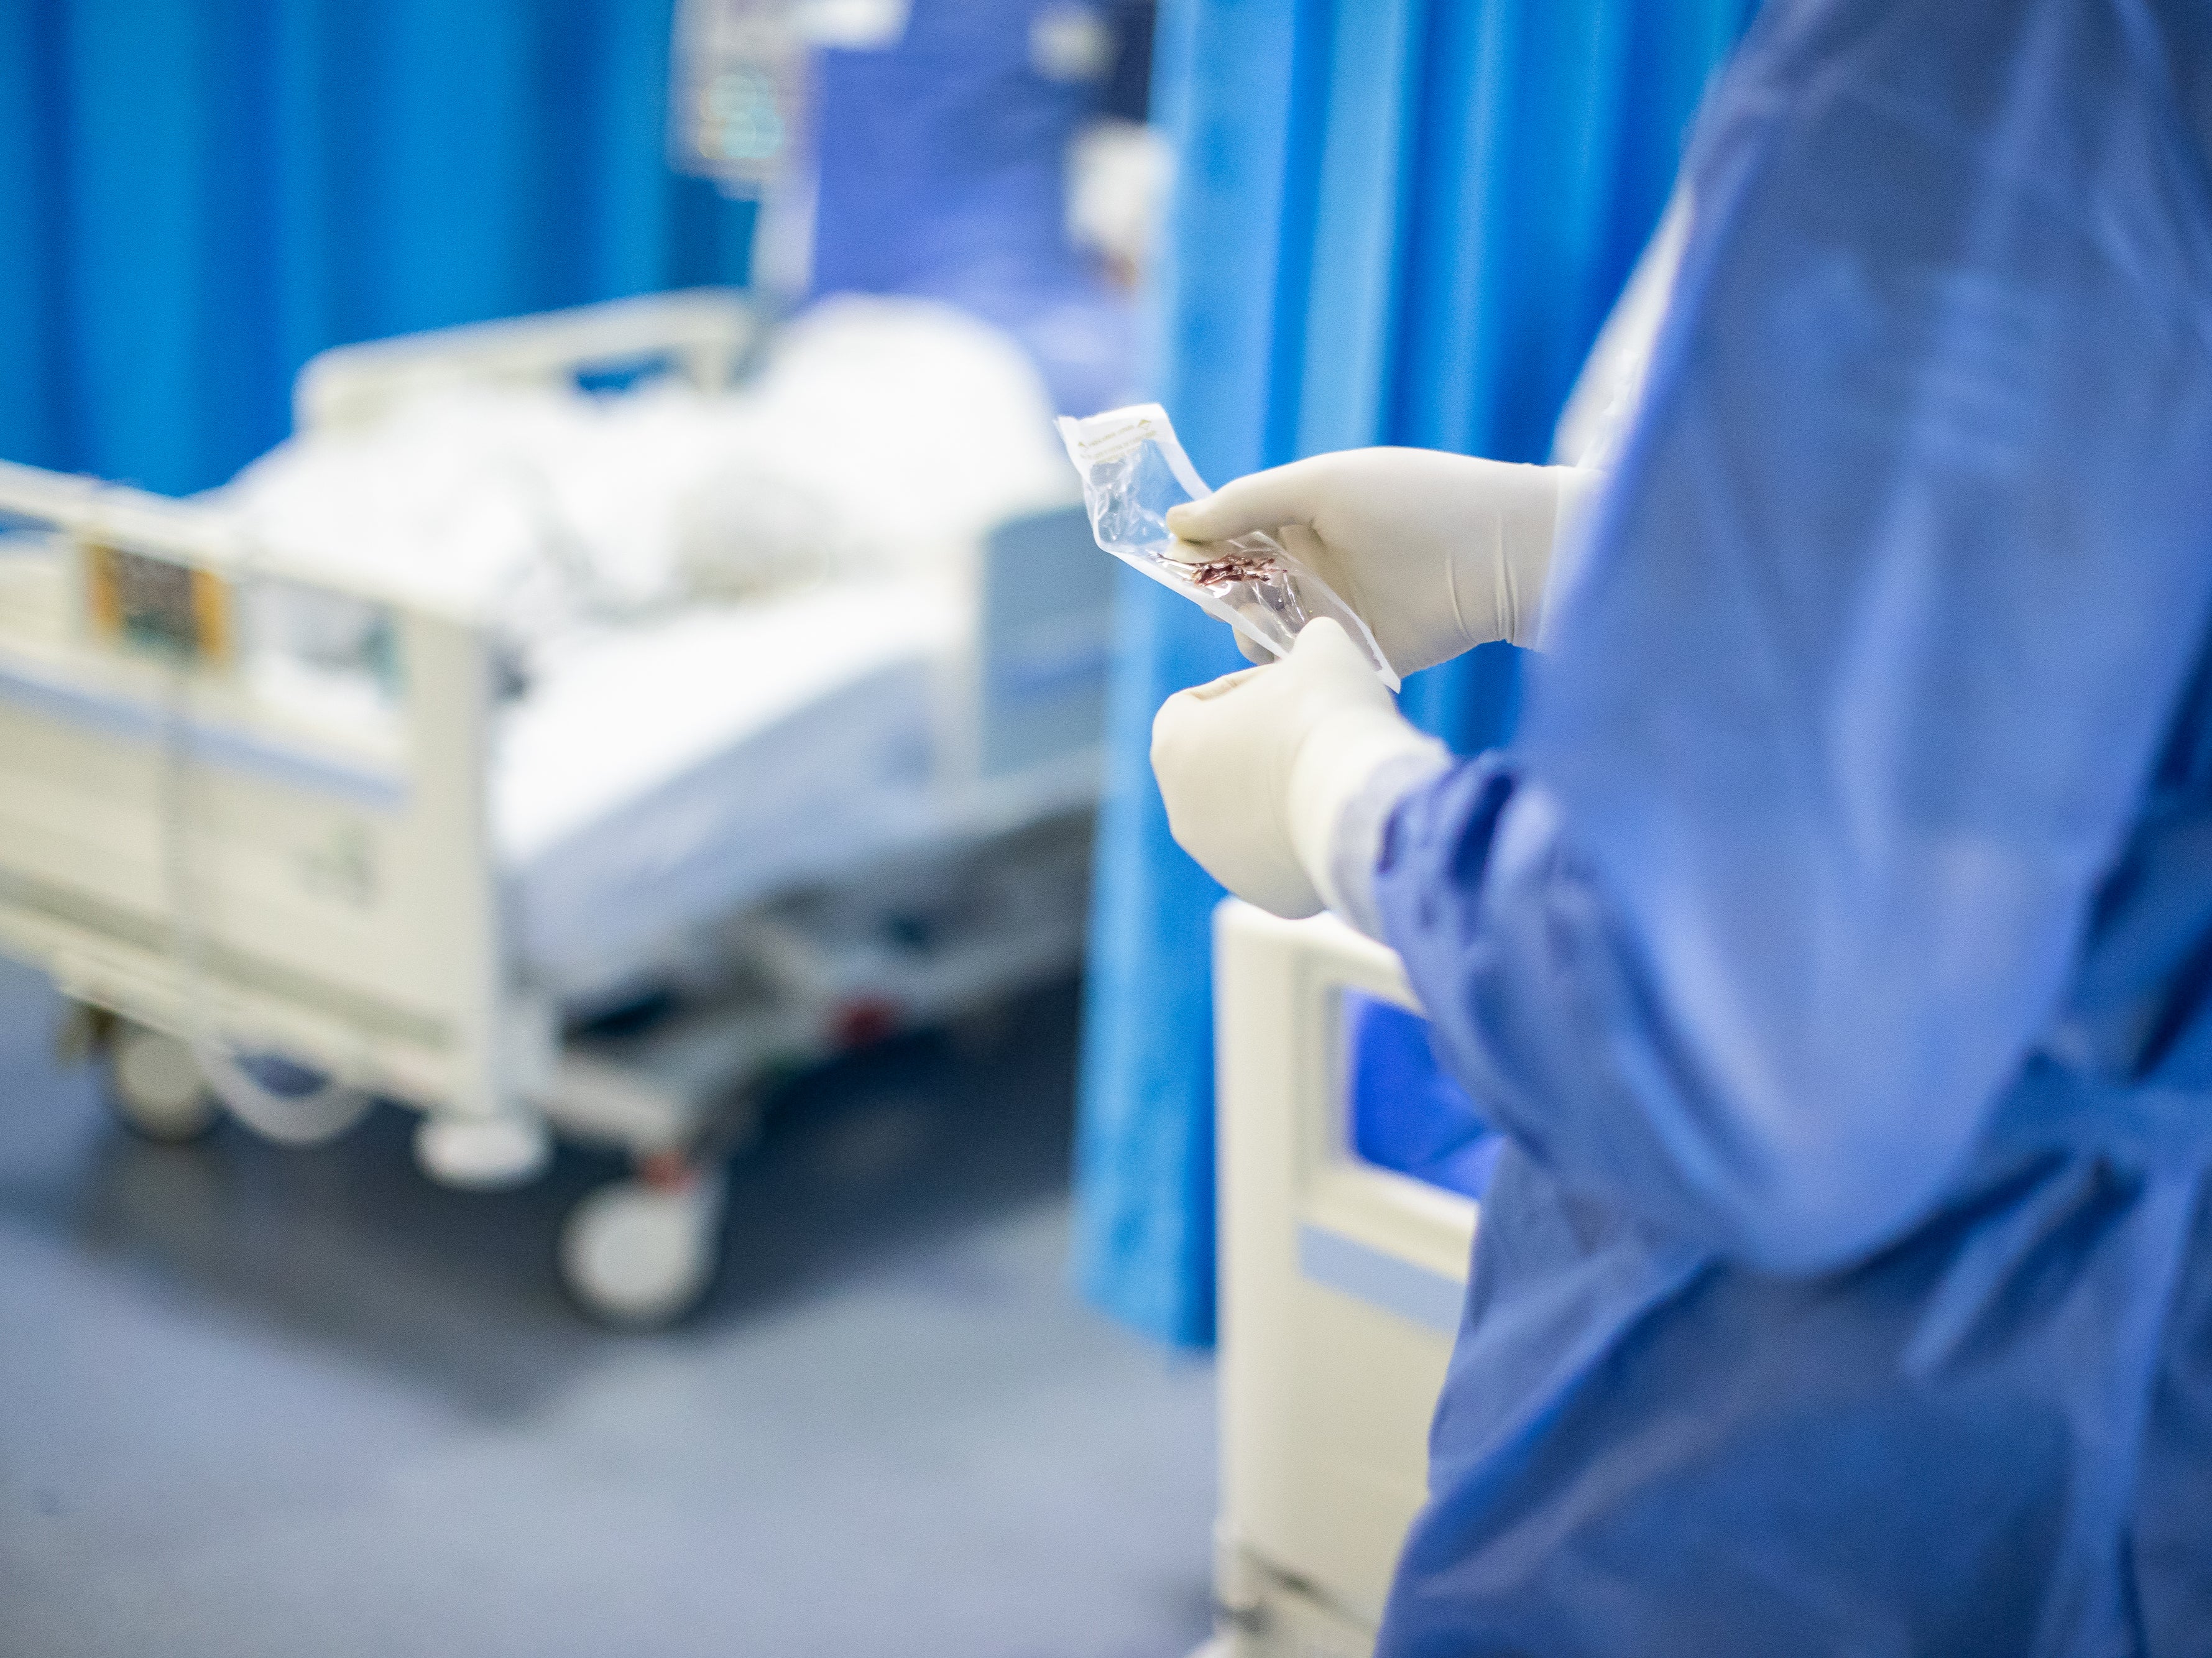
(1341, 1286)
(184, 857)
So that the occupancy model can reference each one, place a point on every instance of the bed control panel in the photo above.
(158, 605)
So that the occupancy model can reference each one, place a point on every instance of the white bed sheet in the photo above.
(658, 777)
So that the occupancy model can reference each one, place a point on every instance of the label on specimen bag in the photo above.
(1133, 469)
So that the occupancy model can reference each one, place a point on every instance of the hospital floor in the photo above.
(257, 1401)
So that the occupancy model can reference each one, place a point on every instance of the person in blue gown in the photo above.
(1834, 941)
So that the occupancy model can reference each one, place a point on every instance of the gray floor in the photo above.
(257, 1401)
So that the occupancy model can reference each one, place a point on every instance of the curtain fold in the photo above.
(199, 195)
(1395, 222)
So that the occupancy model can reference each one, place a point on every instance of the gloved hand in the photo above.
(1258, 768)
(1438, 553)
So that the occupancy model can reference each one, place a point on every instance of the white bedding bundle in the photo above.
(881, 437)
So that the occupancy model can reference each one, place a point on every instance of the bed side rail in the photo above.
(707, 335)
(178, 832)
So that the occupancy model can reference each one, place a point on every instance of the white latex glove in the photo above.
(1258, 768)
(1437, 552)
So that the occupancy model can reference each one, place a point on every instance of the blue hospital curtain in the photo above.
(1395, 222)
(195, 196)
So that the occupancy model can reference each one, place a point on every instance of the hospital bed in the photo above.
(720, 842)
(1341, 1277)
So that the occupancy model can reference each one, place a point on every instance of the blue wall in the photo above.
(1396, 222)
(198, 195)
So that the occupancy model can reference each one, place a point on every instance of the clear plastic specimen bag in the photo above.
(1133, 469)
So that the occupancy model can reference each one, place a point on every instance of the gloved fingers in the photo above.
(1311, 555)
(1300, 542)
(1220, 753)
(1321, 636)
(1223, 810)
(1258, 501)
(1324, 646)
(1186, 716)
(1221, 687)
(1252, 649)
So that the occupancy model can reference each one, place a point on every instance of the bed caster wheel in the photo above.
(638, 1254)
(481, 1154)
(155, 1086)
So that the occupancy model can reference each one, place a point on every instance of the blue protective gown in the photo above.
(1835, 944)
